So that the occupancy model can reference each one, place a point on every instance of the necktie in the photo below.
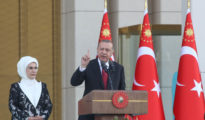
(104, 77)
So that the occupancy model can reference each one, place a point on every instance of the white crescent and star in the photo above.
(197, 88)
(137, 84)
(148, 51)
(179, 84)
(156, 88)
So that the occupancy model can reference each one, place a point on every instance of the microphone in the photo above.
(105, 68)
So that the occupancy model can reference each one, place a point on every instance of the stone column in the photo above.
(81, 21)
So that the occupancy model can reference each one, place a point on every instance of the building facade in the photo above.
(81, 21)
(58, 33)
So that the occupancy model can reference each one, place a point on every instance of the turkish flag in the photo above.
(105, 32)
(146, 76)
(189, 97)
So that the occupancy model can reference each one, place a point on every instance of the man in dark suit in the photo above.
(91, 72)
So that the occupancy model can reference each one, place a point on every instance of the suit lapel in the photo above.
(98, 73)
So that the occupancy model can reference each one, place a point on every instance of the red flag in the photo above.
(146, 77)
(105, 32)
(128, 117)
(189, 97)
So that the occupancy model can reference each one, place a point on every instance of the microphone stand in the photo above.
(110, 80)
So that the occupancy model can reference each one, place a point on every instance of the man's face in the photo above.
(105, 51)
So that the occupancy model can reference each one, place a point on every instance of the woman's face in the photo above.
(32, 70)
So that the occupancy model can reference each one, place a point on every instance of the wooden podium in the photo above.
(100, 103)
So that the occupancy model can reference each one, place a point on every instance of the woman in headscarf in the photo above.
(29, 99)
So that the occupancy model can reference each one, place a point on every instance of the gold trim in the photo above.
(189, 3)
(157, 29)
(146, 4)
(105, 4)
(102, 100)
(57, 91)
(138, 100)
(135, 101)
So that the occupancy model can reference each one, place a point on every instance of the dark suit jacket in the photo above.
(21, 107)
(93, 79)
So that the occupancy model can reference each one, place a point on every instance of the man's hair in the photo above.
(106, 41)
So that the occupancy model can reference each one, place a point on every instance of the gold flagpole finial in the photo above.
(145, 4)
(189, 3)
(105, 4)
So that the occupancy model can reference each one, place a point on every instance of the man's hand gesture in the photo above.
(85, 60)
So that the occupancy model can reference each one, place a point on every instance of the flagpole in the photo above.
(105, 4)
(145, 4)
(189, 4)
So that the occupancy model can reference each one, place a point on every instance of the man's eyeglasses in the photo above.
(33, 68)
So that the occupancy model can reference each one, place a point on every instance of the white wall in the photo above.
(81, 21)
(198, 19)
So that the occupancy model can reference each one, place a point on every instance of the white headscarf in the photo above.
(22, 65)
(31, 88)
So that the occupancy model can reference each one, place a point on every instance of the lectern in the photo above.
(108, 104)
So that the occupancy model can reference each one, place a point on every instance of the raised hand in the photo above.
(35, 118)
(32, 118)
(39, 118)
(85, 60)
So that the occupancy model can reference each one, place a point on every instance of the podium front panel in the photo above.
(100, 102)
